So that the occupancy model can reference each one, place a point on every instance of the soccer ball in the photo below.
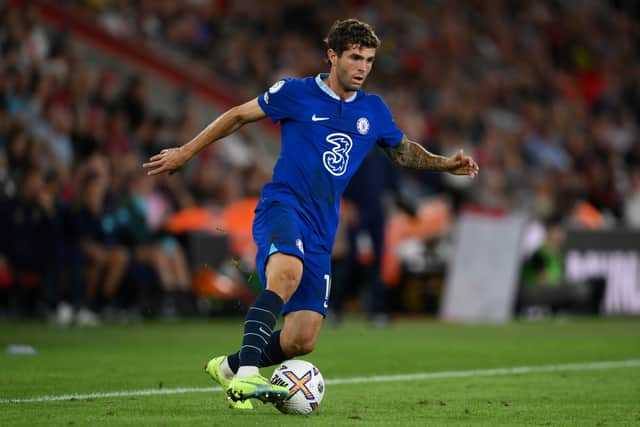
(305, 384)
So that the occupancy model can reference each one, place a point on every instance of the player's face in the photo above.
(353, 66)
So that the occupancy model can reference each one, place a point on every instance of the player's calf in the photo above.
(300, 332)
(299, 347)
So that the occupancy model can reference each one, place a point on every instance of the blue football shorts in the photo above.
(277, 228)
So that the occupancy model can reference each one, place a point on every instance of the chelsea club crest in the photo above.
(362, 125)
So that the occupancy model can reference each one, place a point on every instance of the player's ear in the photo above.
(333, 56)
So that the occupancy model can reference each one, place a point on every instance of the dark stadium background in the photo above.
(544, 94)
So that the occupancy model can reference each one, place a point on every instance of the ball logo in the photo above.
(299, 384)
(362, 125)
(336, 160)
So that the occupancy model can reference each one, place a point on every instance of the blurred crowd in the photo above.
(82, 224)
(544, 94)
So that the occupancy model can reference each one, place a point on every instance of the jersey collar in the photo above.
(326, 89)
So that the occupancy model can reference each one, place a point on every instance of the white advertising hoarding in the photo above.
(482, 278)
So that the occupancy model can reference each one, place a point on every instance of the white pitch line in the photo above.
(489, 372)
(355, 380)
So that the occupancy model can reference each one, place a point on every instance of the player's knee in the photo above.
(289, 275)
(283, 279)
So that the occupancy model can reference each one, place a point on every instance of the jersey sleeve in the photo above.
(278, 102)
(389, 134)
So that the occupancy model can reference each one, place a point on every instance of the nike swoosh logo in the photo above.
(318, 119)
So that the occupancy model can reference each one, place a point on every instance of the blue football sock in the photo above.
(272, 354)
(258, 327)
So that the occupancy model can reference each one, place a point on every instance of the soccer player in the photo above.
(328, 126)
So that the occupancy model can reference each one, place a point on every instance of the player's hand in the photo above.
(463, 165)
(168, 160)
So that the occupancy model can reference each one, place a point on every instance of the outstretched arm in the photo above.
(412, 155)
(172, 159)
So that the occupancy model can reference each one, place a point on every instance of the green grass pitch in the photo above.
(90, 363)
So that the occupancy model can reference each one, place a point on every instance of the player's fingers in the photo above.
(153, 164)
(157, 156)
(470, 170)
(156, 171)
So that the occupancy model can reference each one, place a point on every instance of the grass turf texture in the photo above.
(167, 356)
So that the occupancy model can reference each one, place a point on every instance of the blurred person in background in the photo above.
(544, 289)
(341, 258)
(328, 127)
(632, 203)
(132, 102)
(375, 182)
(145, 210)
(25, 246)
(103, 257)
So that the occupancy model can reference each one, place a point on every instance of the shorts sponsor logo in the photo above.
(276, 86)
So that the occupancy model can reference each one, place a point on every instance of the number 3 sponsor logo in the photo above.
(336, 160)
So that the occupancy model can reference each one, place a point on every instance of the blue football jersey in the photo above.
(324, 141)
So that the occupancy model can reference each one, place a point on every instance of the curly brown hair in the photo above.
(348, 33)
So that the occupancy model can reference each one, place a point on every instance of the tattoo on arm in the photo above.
(412, 155)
